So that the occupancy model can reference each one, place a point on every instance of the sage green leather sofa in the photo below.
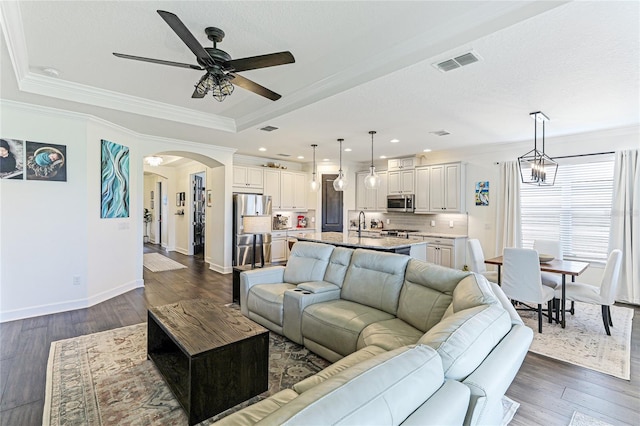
(353, 306)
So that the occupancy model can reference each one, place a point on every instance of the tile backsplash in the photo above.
(421, 222)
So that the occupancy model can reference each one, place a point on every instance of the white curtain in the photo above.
(625, 223)
(508, 224)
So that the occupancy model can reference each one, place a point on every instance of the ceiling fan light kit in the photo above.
(536, 167)
(372, 180)
(340, 183)
(221, 70)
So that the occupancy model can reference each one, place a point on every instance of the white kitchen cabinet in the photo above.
(382, 191)
(371, 199)
(449, 252)
(278, 246)
(272, 187)
(402, 163)
(401, 182)
(446, 188)
(423, 174)
(248, 177)
(293, 190)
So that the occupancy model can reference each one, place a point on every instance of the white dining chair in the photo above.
(477, 264)
(553, 248)
(521, 281)
(604, 295)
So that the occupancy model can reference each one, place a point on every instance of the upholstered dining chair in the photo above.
(521, 281)
(553, 248)
(605, 295)
(477, 264)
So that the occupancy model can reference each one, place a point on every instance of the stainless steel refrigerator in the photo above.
(250, 205)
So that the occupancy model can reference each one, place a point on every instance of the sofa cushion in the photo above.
(385, 389)
(375, 279)
(337, 324)
(464, 339)
(338, 367)
(266, 300)
(474, 290)
(338, 264)
(255, 412)
(389, 334)
(307, 262)
(426, 293)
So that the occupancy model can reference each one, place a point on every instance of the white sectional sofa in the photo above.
(362, 310)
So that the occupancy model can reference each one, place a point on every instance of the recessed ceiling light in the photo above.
(383, 157)
(426, 150)
(347, 150)
(262, 149)
(394, 140)
(300, 157)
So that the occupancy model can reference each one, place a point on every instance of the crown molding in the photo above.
(11, 22)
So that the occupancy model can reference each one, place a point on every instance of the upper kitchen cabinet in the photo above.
(446, 188)
(371, 199)
(293, 190)
(272, 187)
(423, 175)
(248, 177)
(402, 163)
(401, 182)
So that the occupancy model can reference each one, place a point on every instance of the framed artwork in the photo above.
(114, 180)
(482, 193)
(11, 159)
(46, 162)
(209, 198)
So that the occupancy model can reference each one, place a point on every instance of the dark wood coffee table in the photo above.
(211, 356)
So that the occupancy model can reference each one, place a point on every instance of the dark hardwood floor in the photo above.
(549, 391)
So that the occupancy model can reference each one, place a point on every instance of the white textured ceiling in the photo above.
(360, 66)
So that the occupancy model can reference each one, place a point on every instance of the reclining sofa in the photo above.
(412, 342)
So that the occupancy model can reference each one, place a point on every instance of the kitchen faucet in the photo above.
(362, 223)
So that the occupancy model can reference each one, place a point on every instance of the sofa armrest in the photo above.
(453, 395)
(295, 301)
(489, 382)
(270, 275)
(318, 286)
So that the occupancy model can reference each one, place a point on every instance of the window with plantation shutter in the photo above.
(576, 210)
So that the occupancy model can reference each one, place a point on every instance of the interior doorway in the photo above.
(331, 205)
(198, 199)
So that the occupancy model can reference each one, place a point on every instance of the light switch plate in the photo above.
(450, 224)
(433, 223)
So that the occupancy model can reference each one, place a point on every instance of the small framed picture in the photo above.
(208, 198)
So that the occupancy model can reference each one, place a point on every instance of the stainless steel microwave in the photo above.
(400, 203)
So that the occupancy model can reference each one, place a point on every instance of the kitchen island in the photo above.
(387, 244)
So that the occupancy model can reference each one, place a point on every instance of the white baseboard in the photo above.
(71, 305)
(220, 268)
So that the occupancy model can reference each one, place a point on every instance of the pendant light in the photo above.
(536, 167)
(314, 183)
(341, 182)
(372, 180)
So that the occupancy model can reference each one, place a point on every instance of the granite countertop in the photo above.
(338, 238)
(435, 235)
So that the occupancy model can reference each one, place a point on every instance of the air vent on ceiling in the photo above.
(440, 133)
(457, 62)
(269, 128)
(284, 155)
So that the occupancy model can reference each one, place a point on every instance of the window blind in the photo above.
(576, 210)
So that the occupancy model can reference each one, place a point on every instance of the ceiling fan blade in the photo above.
(245, 83)
(262, 61)
(159, 61)
(197, 95)
(185, 35)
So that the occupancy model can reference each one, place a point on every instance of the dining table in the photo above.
(566, 268)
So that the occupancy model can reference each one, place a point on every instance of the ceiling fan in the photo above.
(221, 71)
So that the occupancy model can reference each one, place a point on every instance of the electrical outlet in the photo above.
(76, 280)
(388, 221)
(450, 224)
(313, 219)
(433, 223)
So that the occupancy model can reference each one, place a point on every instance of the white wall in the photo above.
(51, 232)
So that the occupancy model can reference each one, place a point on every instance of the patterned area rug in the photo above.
(584, 342)
(155, 262)
(580, 419)
(106, 379)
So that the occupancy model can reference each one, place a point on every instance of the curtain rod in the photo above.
(584, 155)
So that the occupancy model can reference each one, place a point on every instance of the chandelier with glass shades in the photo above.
(153, 160)
(536, 167)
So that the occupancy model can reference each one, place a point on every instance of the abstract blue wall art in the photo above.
(114, 180)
